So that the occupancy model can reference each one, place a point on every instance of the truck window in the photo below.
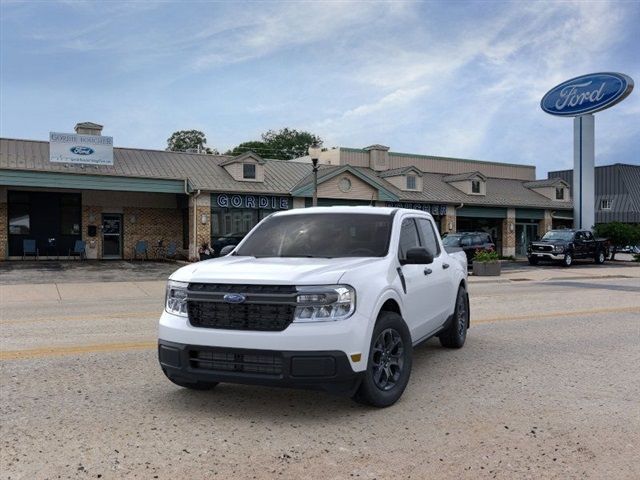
(588, 236)
(477, 240)
(408, 237)
(429, 240)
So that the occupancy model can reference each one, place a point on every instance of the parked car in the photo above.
(565, 246)
(225, 240)
(470, 242)
(331, 298)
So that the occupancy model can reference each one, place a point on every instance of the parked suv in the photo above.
(332, 298)
(470, 242)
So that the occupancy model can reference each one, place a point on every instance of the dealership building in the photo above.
(79, 187)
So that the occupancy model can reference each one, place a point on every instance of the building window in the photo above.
(475, 186)
(19, 220)
(249, 171)
(411, 182)
(605, 204)
(559, 193)
(70, 214)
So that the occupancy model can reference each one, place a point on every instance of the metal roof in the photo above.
(463, 176)
(547, 182)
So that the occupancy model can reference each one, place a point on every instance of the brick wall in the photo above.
(150, 224)
(4, 237)
(203, 230)
(509, 233)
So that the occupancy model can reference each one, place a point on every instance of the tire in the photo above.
(600, 257)
(389, 363)
(191, 385)
(568, 260)
(456, 333)
(532, 260)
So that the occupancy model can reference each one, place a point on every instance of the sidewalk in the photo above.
(582, 271)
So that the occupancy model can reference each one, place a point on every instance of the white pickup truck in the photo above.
(332, 298)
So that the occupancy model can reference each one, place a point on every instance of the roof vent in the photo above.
(88, 128)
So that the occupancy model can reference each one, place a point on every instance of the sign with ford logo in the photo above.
(234, 298)
(80, 149)
(587, 94)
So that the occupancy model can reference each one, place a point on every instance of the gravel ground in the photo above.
(546, 387)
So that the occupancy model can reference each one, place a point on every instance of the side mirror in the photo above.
(418, 256)
(226, 250)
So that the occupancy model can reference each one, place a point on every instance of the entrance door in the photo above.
(525, 233)
(111, 235)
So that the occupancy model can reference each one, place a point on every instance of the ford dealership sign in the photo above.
(587, 94)
(80, 149)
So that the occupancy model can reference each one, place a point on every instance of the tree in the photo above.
(184, 140)
(283, 144)
(255, 146)
(619, 234)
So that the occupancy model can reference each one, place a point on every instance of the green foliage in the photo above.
(184, 140)
(510, 258)
(255, 146)
(483, 256)
(619, 234)
(283, 144)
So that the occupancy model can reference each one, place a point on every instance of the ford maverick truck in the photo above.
(565, 246)
(331, 298)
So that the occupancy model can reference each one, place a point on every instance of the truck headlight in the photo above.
(176, 298)
(559, 248)
(325, 303)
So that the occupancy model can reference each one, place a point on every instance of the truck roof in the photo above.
(347, 209)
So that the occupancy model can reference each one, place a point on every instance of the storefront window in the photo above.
(19, 221)
(70, 215)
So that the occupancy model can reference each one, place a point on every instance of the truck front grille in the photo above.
(265, 308)
(543, 248)
(265, 363)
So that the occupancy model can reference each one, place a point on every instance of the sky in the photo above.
(451, 78)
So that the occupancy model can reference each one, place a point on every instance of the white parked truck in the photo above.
(332, 298)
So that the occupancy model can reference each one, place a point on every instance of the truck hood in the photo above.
(273, 270)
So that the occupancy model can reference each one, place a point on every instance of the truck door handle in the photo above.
(445, 266)
(427, 271)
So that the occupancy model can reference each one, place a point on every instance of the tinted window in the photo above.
(476, 240)
(248, 170)
(466, 241)
(558, 235)
(451, 240)
(408, 237)
(487, 239)
(429, 240)
(588, 236)
(411, 182)
(320, 235)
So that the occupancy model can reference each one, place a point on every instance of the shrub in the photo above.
(484, 256)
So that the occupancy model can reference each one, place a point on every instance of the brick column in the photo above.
(4, 225)
(509, 233)
(92, 215)
(201, 209)
(545, 224)
(449, 220)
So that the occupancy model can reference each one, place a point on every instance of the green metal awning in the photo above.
(530, 213)
(24, 178)
(482, 212)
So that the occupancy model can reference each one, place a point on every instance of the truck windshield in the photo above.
(558, 235)
(327, 235)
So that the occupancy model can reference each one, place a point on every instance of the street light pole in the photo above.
(315, 181)
(314, 153)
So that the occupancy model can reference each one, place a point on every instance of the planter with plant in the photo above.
(486, 264)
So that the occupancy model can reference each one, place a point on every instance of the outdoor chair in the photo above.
(141, 248)
(29, 248)
(172, 250)
(80, 249)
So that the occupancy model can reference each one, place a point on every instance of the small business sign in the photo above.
(227, 200)
(587, 94)
(80, 149)
(425, 207)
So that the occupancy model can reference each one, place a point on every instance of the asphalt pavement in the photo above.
(546, 387)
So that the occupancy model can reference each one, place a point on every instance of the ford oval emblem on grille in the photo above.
(234, 298)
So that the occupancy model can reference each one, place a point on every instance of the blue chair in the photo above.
(29, 248)
(142, 247)
(80, 249)
(172, 250)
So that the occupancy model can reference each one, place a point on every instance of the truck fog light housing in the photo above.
(324, 303)
(176, 298)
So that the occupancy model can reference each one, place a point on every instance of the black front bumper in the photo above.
(322, 370)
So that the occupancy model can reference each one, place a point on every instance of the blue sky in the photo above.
(459, 79)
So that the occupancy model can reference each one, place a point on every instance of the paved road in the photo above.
(546, 387)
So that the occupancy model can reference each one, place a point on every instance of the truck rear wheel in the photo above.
(456, 333)
(389, 363)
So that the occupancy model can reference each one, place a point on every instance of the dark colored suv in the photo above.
(470, 242)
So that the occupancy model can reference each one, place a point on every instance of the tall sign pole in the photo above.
(580, 98)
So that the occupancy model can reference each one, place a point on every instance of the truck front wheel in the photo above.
(389, 363)
(568, 260)
(600, 257)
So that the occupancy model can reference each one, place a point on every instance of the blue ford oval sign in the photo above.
(234, 298)
(587, 94)
(81, 150)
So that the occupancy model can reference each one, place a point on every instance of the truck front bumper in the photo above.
(320, 370)
(556, 257)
